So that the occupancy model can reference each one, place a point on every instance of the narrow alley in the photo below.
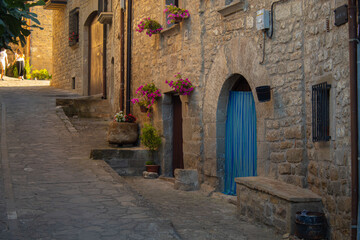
(50, 189)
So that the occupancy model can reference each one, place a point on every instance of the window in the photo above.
(74, 27)
(173, 2)
(320, 112)
(227, 2)
(102, 6)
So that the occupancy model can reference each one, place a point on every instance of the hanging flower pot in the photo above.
(176, 14)
(183, 87)
(178, 19)
(143, 109)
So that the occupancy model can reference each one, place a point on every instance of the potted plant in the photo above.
(176, 14)
(151, 139)
(151, 26)
(148, 96)
(123, 129)
(182, 86)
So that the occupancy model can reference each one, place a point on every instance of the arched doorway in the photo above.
(95, 57)
(240, 136)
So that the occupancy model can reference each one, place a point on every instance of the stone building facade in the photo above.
(71, 63)
(39, 44)
(214, 50)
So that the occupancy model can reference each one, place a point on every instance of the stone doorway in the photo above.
(95, 57)
(240, 135)
(236, 83)
(177, 161)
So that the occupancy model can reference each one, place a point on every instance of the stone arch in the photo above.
(236, 58)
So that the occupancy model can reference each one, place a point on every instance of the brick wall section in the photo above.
(41, 41)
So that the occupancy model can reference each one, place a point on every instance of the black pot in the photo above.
(310, 225)
(263, 93)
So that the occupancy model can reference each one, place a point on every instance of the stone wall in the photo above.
(72, 62)
(40, 41)
(212, 50)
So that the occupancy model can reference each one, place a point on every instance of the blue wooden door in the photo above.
(240, 139)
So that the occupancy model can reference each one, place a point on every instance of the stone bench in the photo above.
(273, 202)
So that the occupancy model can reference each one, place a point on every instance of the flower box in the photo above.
(123, 133)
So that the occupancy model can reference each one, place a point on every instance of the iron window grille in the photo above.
(74, 27)
(320, 112)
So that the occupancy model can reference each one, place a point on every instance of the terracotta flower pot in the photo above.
(152, 168)
(178, 19)
(123, 133)
(143, 109)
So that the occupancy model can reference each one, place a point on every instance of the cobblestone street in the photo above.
(50, 189)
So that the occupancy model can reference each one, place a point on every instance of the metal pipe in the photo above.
(353, 108)
(128, 52)
(122, 59)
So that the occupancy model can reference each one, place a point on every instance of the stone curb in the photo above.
(60, 112)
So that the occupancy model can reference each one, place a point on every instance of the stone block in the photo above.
(285, 168)
(273, 202)
(294, 155)
(150, 175)
(277, 157)
(186, 179)
(294, 132)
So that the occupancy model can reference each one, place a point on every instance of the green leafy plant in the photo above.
(150, 162)
(15, 72)
(42, 74)
(28, 68)
(151, 26)
(13, 21)
(150, 137)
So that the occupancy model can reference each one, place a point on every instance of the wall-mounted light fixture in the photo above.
(263, 93)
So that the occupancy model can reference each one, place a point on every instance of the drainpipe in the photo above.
(128, 52)
(353, 108)
(122, 59)
(104, 54)
(358, 113)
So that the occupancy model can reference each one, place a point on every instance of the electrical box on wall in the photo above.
(262, 19)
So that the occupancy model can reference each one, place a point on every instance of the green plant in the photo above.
(148, 95)
(42, 74)
(151, 26)
(28, 68)
(15, 72)
(150, 137)
(14, 16)
(175, 13)
(149, 162)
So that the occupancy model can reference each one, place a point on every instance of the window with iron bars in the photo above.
(74, 27)
(320, 112)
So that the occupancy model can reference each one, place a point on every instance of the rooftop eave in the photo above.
(55, 4)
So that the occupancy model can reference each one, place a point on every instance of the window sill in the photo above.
(233, 8)
(168, 30)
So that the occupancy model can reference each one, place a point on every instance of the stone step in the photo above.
(88, 107)
(125, 161)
